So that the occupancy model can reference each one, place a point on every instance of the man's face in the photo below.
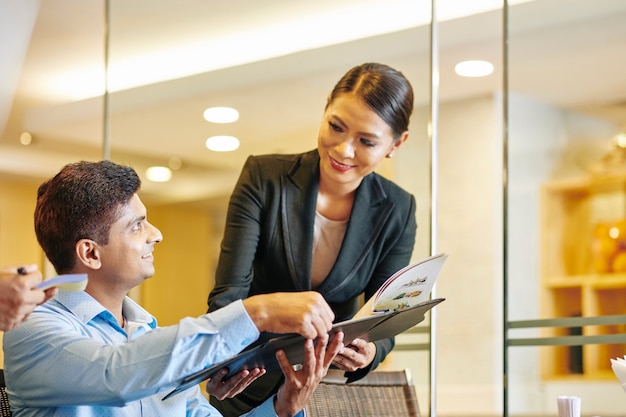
(127, 258)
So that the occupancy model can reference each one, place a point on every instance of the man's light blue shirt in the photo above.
(71, 358)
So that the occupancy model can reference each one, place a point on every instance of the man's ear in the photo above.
(88, 253)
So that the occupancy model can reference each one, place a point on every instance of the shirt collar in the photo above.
(85, 308)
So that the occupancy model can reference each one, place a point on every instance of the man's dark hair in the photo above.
(82, 201)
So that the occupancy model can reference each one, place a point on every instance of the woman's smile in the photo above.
(338, 165)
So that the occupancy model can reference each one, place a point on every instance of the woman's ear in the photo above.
(88, 253)
(403, 137)
(396, 144)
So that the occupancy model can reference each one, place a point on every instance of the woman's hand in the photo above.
(220, 388)
(356, 355)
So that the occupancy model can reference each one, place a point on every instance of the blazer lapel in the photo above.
(370, 212)
(298, 200)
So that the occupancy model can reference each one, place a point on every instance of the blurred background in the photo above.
(516, 150)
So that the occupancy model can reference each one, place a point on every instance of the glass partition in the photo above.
(566, 182)
(46, 117)
(470, 215)
(185, 57)
(53, 113)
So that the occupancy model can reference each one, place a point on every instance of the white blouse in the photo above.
(327, 239)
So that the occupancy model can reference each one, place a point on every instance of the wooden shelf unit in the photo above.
(570, 285)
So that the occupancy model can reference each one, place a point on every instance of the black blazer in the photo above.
(267, 244)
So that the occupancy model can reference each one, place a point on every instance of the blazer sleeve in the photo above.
(241, 239)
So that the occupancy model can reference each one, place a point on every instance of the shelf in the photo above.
(563, 281)
(587, 185)
(610, 281)
(596, 281)
(595, 376)
(570, 211)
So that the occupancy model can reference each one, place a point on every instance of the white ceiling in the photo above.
(570, 53)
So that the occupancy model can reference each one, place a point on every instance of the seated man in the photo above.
(98, 353)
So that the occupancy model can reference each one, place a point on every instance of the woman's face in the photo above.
(352, 141)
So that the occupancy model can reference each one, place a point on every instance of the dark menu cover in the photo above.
(374, 327)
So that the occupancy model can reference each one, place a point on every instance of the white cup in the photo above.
(569, 406)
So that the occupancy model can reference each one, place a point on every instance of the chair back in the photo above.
(5, 410)
(380, 393)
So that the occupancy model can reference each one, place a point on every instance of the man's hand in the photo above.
(18, 295)
(358, 354)
(306, 313)
(300, 384)
(221, 389)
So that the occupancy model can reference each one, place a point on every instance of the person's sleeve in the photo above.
(266, 409)
(234, 271)
(197, 405)
(397, 258)
(49, 360)
(383, 347)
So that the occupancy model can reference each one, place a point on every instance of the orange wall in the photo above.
(18, 244)
(184, 264)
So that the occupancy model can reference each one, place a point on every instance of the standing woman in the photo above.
(324, 220)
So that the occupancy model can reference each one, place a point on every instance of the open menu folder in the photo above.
(409, 289)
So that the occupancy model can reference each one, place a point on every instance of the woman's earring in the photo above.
(390, 155)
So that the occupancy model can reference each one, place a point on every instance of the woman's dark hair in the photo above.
(82, 201)
(384, 89)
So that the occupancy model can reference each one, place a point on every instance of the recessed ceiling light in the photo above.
(474, 68)
(222, 143)
(620, 140)
(26, 138)
(221, 115)
(159, 174)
